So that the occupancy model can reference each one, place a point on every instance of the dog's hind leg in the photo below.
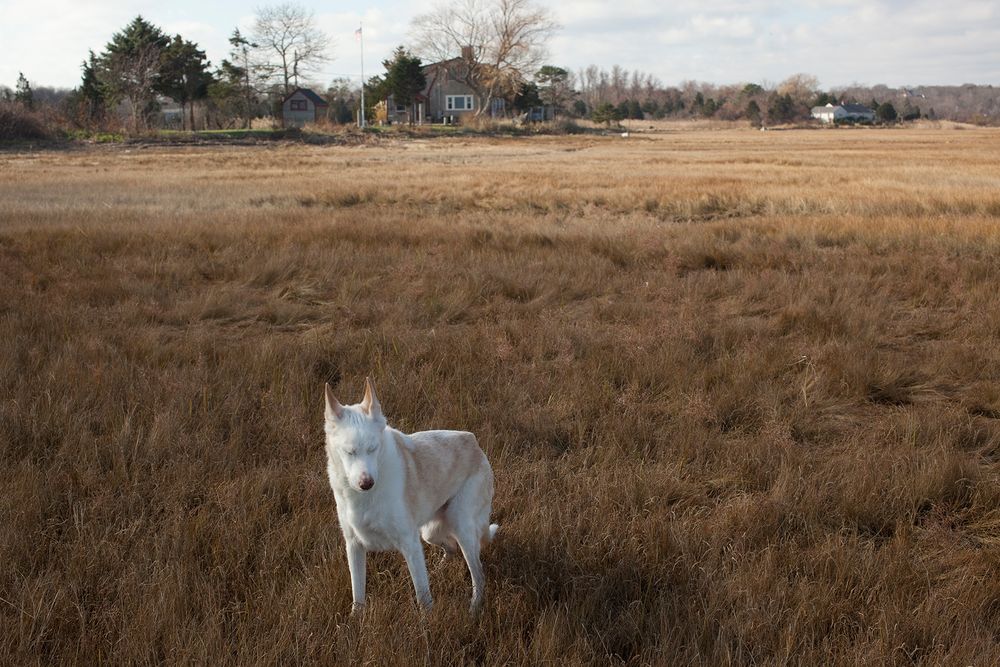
(468, 541)
(469, 517)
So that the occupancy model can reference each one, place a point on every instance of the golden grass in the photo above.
(740, 391)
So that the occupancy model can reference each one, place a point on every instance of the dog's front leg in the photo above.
(356, 562)
(413, 552)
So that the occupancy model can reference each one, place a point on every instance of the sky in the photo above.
(842, 42)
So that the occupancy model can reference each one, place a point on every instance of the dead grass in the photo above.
(740, 391)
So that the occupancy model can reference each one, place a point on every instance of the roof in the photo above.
(441, 63)
(849, 108)
(856, 108)
(309, 95)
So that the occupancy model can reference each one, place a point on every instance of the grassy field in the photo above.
(741, 391)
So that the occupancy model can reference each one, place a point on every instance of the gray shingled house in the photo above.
(302, 106)
(445, 99)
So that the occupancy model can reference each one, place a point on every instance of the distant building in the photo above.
(831, 113)
(302, 106)
(445, 99)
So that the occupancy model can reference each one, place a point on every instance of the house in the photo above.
(852, 113)
(445, 99)
(171, 114)
(302, 106)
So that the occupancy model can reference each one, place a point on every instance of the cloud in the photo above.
(840, 41)
(889, 41)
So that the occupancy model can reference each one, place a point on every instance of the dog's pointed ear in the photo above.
(334, 410)
(370, 404)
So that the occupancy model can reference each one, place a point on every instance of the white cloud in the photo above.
(890, 41)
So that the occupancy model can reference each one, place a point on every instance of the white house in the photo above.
(843, 112)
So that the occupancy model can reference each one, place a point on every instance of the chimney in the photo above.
(467, 53)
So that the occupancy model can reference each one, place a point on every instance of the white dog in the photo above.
(392, 488)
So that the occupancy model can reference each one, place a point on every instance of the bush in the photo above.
(565, 125)
(18, 123)
(606, 113)
(886, 113)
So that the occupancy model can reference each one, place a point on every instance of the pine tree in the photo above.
(607, 113)
(886, 113)
(23, 93)
(404, 78)
(130, 68)
(553, 86)
(184, 75)
(245, 71)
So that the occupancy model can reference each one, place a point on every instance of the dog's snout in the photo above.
(366, 482)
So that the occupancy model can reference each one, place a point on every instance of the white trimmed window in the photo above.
(299, 105)
(400, 108)
(459, 103)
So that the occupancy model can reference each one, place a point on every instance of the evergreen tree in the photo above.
(91, 90)
(404, 78)
(184, 75)
(781, 108)
(886, 113)
(823, 99)
(130, 68)
(699, 103)
(553, 86)
(245, 70)
(606, 113)
(234, 90)
(754, 113)
(635, 110)
(527, 97)
(22, 92)
(376, 90)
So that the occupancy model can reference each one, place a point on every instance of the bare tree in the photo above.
(501, 43)
(289, 43)
(801, 87)
(131, 76)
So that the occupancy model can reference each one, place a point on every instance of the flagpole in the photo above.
(361, 38)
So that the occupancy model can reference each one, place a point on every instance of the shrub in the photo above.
(606, 113)
(886, 113)
(564, 125)
(17, 122)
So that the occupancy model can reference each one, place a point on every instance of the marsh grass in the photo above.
(740, 393)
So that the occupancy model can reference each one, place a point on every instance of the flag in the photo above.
(357, 34)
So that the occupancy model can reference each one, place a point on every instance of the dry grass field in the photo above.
(741, 392)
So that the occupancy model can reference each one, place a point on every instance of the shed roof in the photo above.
(309, 95)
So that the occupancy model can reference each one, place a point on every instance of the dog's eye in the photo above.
(371, 450)
(352, 452)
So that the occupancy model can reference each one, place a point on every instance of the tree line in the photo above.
(498, 50)
(141, 65)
